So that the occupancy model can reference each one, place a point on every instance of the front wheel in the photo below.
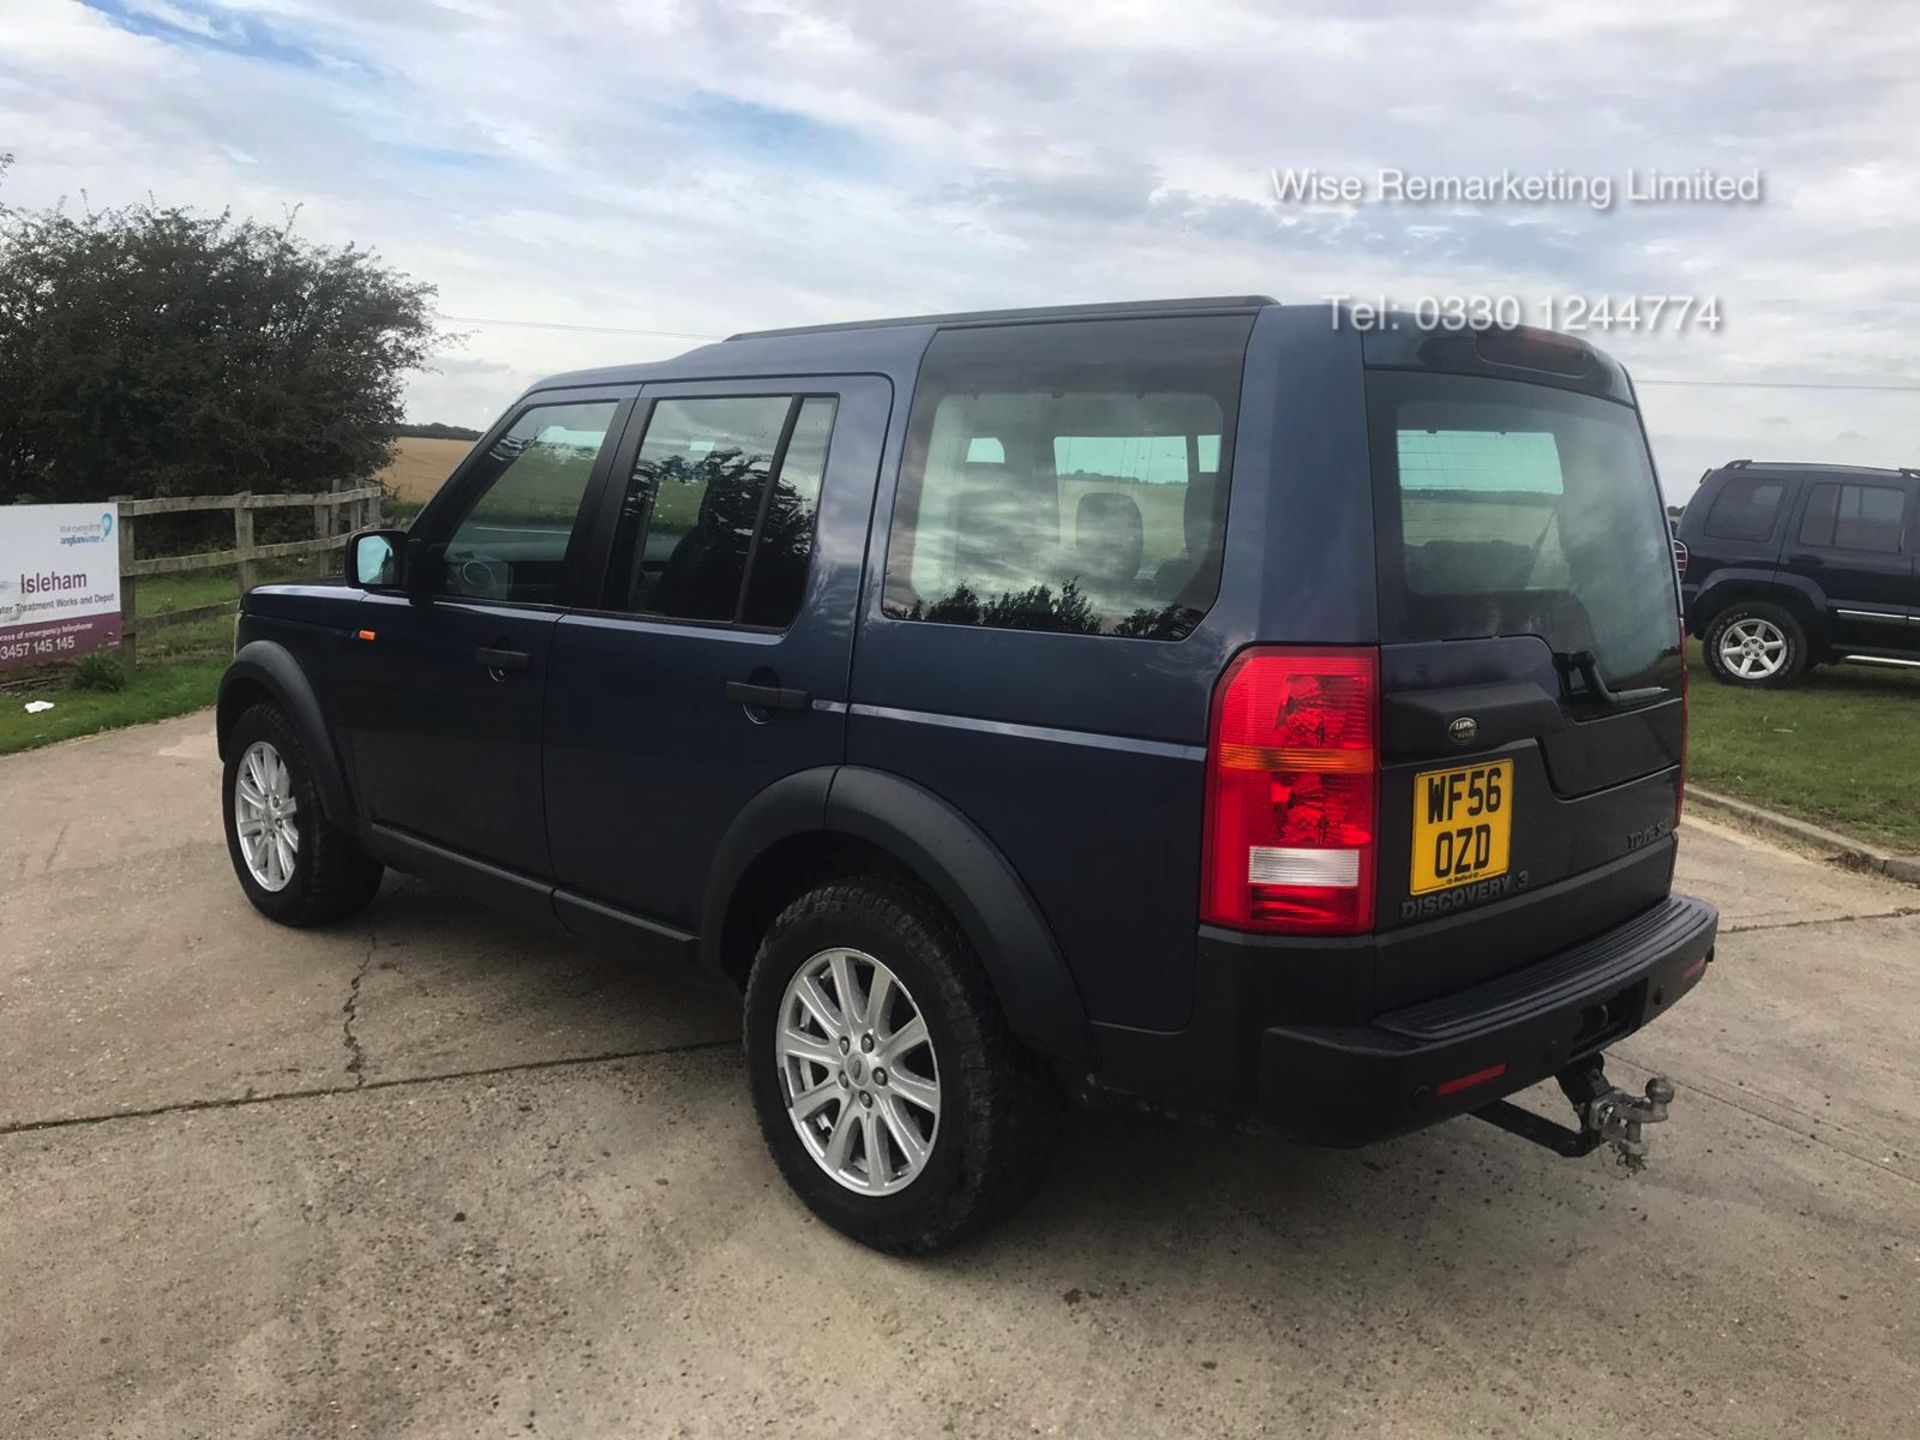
(1755, 643)
(294, 866)
(888, 1087)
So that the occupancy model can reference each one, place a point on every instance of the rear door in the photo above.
(1531, 673)
(732, 534)
(1853, 540)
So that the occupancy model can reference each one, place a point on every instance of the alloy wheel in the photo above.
(264, 816)
(1753, 649)
(857, 1072)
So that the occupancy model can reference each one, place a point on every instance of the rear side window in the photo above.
(1855, 517)
(1745, 508)
(1068, 478)
(1504, 508)
(718, 517)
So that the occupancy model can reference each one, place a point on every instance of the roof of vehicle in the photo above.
(1820, 466)
(885, 346)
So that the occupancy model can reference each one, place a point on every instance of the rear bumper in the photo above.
(1347, 1085)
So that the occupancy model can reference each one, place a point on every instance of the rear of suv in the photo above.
(1199, 704)
(1786, 566)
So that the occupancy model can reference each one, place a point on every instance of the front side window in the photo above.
(718, 517)
(1745, 509)
(512, 545)
(1855, 517)
(1068, 477)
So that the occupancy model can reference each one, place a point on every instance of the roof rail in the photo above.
(1200, 305)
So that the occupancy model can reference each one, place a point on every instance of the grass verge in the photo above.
(1841, 748)
(154, 692)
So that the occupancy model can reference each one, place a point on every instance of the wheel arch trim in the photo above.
(263, 665)
(947, 853)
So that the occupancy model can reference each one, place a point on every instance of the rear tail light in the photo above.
(1680, 558)
(1293, 792)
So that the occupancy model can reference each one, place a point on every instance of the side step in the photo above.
(1608, 1115)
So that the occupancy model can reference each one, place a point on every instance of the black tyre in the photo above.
(295, 867)
(894, 1098)
(1757, 644)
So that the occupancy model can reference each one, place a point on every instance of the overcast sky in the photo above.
(705, 167)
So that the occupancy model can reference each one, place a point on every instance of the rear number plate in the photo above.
(1462, 822)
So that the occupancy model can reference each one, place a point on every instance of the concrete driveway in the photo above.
(437, 1175)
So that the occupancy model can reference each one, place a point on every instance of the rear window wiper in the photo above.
(1581, 662)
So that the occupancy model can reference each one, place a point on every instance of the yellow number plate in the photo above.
(1462, 822)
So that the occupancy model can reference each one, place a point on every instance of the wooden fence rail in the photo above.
(362, 507)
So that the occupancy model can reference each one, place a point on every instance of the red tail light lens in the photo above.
(1293, 791)
(1680, 558)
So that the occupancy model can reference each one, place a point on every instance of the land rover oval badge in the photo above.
(1464, 731)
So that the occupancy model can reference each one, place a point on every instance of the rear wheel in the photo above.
(294, 866)
(1756, 643)
(888, 1087)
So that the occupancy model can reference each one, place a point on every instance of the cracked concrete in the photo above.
(445, 1176)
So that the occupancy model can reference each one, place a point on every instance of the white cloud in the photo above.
(704, 166)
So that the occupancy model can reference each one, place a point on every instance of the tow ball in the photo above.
(1608, 1115)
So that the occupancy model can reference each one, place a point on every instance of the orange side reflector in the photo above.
(1467, 1082)
(366, 635)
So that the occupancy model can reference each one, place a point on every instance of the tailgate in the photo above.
(1532, 682)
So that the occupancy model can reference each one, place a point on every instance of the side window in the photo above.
(1855, 517)
(1068, 477)
(717, 522)
(512, 545)
(1745, 508)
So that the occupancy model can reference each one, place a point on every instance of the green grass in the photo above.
(154, 692)
(1841, 748)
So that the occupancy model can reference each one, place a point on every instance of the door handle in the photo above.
(767, 697)
(503, 659)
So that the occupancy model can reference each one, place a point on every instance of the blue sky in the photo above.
(578, 173)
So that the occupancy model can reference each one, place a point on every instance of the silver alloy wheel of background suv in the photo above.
(264, 812)
(1752, 649)
(858, 1072)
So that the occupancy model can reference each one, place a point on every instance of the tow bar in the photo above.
(1608, 1115)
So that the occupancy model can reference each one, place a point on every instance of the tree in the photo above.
(151, 351)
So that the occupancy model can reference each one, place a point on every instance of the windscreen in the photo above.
(1504, 508)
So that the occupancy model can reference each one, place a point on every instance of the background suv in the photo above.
(1787, 566)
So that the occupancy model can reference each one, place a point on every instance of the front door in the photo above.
(446, 711)
(1854, 541)
(738, 516)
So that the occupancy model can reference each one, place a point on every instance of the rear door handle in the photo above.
(503, 659)
(767, 697)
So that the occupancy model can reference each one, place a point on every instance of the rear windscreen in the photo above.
(1504, 508)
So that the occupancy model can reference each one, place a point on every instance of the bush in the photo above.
(98, 671)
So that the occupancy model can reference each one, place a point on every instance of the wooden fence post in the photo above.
(322, 530)
(129, 641)
(244, 566)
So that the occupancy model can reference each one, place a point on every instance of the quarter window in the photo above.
(1068, 477)
(1855, 517)
(718, 517)
(512, 545)
(1745, 509)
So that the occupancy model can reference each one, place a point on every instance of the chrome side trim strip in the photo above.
(1159, 748)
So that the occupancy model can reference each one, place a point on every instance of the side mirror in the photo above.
(374, 559)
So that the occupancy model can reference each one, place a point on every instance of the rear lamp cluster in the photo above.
(1293, 792)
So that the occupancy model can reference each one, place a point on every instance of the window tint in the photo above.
(1068, 477)
(711, 496)
(512, 545)
(1505, 508)
(1855, 517)
(779, 569)
(1745, 508)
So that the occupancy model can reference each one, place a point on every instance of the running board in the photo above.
(1608, 1115)
(1882, 660)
